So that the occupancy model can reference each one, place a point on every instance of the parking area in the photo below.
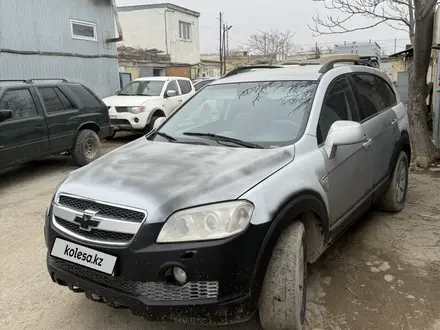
(384, 273)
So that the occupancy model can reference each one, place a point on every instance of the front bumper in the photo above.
(221, 288)
(127, 120)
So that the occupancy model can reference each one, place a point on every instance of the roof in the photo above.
(159, 78)
(308, 72)
(160, 5)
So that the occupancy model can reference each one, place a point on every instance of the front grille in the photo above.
(104, 210)
(121, 109)
(120, 122)
(158, 291)
(95, 234)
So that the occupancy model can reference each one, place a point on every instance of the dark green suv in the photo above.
(43, 119)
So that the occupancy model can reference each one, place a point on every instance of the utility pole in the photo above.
(226, 29)
(220, 48)
(395, 45)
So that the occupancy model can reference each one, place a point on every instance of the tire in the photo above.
(282, 302)
(394, 198)
(86, 147)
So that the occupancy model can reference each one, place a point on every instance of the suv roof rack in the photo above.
(12, 80)
(30, 81)
(330, 65)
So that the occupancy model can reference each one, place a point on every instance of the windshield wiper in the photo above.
(166, 136)
(225, 139)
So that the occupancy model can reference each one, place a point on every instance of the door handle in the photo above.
(367, 143)
(180, 101)
(393, 121)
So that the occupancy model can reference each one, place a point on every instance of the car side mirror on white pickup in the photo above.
(170, 93)
(157, 122)
(343, 133)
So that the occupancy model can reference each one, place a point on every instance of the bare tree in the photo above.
(417, 18)
(272, 45)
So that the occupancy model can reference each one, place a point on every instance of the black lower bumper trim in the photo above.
(208, 311)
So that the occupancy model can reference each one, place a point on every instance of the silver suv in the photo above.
(215, 214)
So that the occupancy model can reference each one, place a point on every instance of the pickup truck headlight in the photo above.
(208, 222)
(133, 109)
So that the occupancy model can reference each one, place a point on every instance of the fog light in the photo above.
(136, 120)
(179, 275)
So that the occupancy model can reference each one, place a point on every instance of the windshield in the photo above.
(269, 114)
(143, 87)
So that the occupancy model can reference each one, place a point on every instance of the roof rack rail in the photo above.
(12, 80)
(330, 65)
(30, 81)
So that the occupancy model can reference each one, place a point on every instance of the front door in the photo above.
(349, 176)
(379, 121)
(24, 136)
(172, 102)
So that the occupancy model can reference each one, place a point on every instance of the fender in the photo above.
(88, 124)
(300, 202)
(402, 145)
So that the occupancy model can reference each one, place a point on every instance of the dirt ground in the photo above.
(384, 273)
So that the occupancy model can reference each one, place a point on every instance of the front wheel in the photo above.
(283, 296)
(394, 198)
(86, 148)
(149, 127)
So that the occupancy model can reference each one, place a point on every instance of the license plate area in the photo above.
(83, 256)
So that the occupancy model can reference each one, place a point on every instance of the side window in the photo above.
(64, 100)
(20, 102)
(371, 99)
(387, 91)
(51, 100)
(172, 86)
(338, 105)
(185, 87)
(85, 96)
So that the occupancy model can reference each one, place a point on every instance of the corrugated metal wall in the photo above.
(44, 26)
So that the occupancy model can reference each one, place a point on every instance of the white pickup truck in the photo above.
(142, 101)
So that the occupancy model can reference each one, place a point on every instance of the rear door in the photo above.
(185, 89)
(61, 115)
(379, 121)
(23, 137)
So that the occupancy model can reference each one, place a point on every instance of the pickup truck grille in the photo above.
(121, 109)
(109, 224)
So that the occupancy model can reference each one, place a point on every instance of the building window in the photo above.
(185, 31)
(83, 30)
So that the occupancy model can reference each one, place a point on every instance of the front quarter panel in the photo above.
(301, 175)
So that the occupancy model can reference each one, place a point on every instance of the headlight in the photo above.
(133, 109)
(208, 222)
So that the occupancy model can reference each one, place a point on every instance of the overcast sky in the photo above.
(248, 16)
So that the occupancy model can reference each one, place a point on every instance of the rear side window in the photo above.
(51, 100)
(85, 96)
(371, 99)
(185, 87)
(64, 100)
(20, 102)
(387, 91)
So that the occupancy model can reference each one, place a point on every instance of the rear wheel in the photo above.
(283, 296)
(86, 148)
(394, 199)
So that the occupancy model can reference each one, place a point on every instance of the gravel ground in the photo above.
(382, 274)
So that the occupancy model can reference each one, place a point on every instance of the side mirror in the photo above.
(5, 115)
(343, 133)
(157, 122)
(170, 93)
